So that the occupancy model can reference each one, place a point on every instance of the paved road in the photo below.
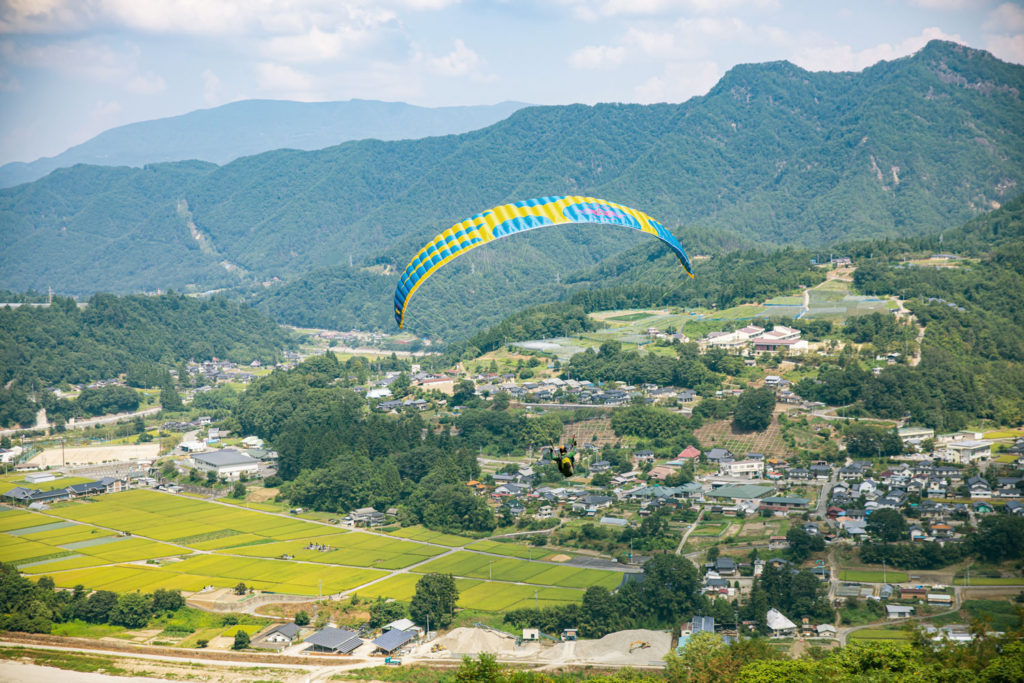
(682, 541)
(825, 489)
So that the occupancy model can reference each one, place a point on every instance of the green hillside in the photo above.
(773, 153)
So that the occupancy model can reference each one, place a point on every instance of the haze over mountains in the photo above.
(773, 154)
(225, 133)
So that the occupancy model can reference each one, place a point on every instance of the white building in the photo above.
(741, 468)
(227, 463)
(967, 451)
(779, 624)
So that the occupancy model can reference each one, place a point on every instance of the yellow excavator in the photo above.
(638, 645)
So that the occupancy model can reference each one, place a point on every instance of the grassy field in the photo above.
(989, 581)
(1001, 615)
(879, 634)
(869, 576)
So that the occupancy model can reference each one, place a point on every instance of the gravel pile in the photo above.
(614, 647)
(473, 640)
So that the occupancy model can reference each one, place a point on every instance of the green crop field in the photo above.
(508, 569)
(420, 533)
(519, 550)
(100, 543)
(879, 634)
(492, 596)
(357, 549)
(870, 576)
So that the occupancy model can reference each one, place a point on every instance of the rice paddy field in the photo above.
(518, 550)
(143, 540)
(473, 565)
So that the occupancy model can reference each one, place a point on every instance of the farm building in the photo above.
(390, 641)
(336, 640)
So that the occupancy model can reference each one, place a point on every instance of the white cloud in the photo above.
(145, 84)
(597, 57)
(88, 60)
(211, 87)
(945, 4)
(679, 82)
(459, 63)
(591, 10)
(845, 58)
(1007, 18)
(285, 81)
(1006, 48)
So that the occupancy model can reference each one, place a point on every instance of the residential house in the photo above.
(780, 626)
(979, 487)
(898, 611)
(367, 517)
(282, 634)
(719, 454)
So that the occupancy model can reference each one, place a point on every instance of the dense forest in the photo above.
(772, 153)
(336, 455)
(141, 336)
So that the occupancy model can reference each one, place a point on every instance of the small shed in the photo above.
(531, 634)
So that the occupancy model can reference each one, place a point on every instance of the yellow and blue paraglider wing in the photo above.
(509, 219)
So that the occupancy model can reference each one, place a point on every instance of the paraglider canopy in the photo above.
(508, 219)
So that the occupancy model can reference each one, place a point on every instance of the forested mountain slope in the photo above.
(774, 153)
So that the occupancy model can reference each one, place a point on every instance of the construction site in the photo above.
(635, 648)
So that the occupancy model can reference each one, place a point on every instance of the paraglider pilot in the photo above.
(566, 458)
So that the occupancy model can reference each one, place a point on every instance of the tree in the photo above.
(435, 599)
(301, 618)
(96, 609)
(754, 409)
(238, 491)
(241, 588)
(241, 640)
(170, 400)
(385, 611)
(211, 477)
(132, 610)
(802, 544)
(167, 600)
(401, 385)
(999, 537)
(887, 525)
(865, 441)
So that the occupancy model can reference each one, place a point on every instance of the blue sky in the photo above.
(70, 69)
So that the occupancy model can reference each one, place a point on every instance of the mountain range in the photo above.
(773, 154)
(238, 129)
